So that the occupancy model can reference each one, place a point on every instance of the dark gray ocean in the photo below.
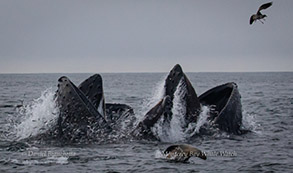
(267, 103)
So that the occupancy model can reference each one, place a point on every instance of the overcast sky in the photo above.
(44, 36)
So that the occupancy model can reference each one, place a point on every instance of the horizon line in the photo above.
(144, 72)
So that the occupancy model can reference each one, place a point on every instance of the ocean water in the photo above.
(267, 102)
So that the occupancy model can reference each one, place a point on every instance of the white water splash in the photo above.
(173, 132)
(101, 107)
(38, 116)
(43, 161)
(158, 93)
(176, 131)
(249, 122)
(193, 128)
(159, 154)
(203, 117)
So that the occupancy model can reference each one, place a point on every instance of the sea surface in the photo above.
(267, 103)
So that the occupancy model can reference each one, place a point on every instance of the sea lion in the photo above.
(181, 153)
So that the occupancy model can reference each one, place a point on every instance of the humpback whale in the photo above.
(172, 81)
(163, 109)
(78, 119)
(84, 115)
(225, 99)
(227, 113)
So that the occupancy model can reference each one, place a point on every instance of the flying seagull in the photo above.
(258, 15)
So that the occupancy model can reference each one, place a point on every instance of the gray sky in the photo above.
(144, 36)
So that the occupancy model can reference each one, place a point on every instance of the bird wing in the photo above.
(251, 20)
(264, 6)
